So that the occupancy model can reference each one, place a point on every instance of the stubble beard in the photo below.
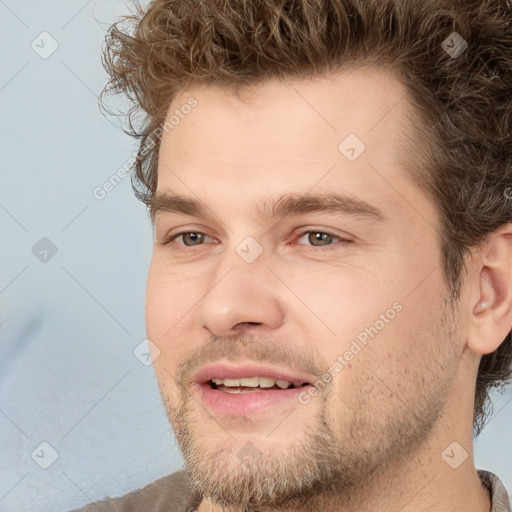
(332, 464)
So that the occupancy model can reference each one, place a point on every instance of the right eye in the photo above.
(189, 238)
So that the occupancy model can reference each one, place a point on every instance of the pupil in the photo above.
(194, 237)
(318, 237)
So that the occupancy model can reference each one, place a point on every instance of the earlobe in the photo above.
(491, 319)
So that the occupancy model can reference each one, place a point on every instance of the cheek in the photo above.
(336, 304)
(383, 370)
(169, 305)
(169, 299)
(363, 325)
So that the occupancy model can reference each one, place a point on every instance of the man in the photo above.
(329, 299)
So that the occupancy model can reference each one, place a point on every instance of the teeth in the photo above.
(266, 382)
(283, 384)
(250, 382)
(231, 382)
(254, 382)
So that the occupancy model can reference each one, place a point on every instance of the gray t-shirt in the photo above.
(172, 493)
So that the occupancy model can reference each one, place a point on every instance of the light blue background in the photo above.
(68, 374)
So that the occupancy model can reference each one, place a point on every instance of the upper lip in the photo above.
(227, 371)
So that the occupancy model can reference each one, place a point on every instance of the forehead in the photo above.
(349, 131)
(365, 101)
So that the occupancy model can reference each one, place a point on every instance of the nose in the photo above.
(240, 296)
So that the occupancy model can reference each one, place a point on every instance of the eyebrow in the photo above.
(287, 205)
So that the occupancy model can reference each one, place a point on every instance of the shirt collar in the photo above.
(499, 496)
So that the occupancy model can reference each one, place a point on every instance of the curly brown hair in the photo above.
(464, 102)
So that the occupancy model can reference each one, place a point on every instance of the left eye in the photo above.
(320, 238)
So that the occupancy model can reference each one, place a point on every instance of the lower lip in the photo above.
(225, 403)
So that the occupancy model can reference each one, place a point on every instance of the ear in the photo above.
(491, 317)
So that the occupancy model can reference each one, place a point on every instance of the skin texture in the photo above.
(373, 439)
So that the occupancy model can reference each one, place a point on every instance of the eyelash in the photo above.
(330, 247)
(299, 235)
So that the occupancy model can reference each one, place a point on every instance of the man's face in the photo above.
(296, 293)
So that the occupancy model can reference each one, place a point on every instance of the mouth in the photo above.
(253, 384)
(249, 389)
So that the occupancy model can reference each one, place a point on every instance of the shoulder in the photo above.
(172, 493)
(498, 492)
